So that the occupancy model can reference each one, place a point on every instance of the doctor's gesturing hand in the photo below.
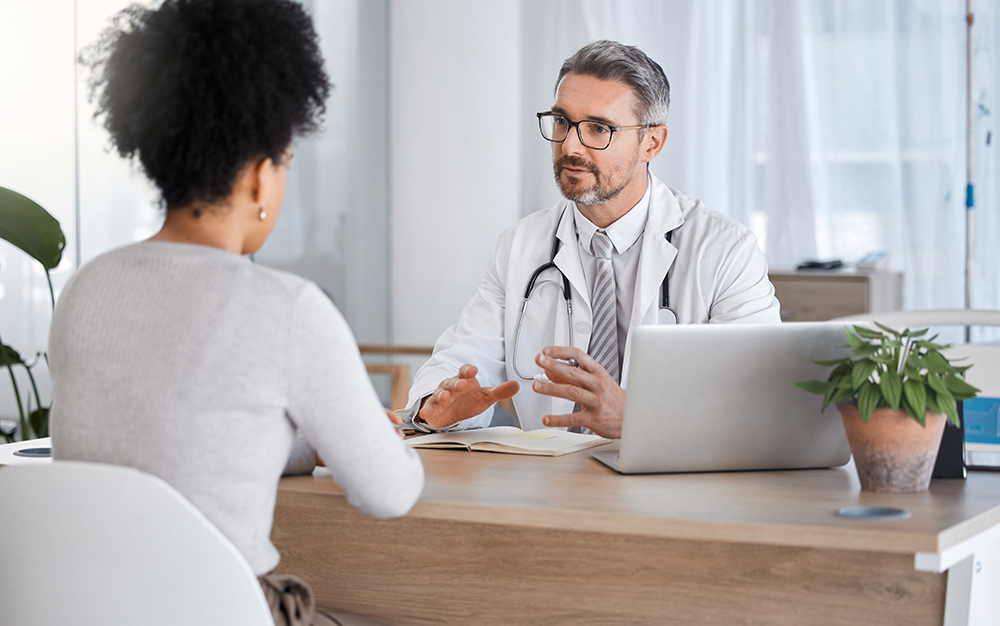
(589, 385)
(461, 397)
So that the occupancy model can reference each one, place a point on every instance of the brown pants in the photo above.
(292, 602)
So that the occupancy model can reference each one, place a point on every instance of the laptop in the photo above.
(722, 397)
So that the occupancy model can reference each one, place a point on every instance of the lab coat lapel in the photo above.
(657, 255)
(568, 262)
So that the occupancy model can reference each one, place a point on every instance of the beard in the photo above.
(604, 188)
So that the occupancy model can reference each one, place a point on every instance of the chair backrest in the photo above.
(985, 373)
(88, 544)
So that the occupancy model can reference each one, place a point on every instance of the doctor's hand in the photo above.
(461, 397)
(589, 385)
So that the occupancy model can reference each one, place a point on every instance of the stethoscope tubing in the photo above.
(567, 296)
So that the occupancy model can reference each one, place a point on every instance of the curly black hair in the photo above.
(197, 89)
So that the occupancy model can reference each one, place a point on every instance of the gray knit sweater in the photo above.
(193, 364)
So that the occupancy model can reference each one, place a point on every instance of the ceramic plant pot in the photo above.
(892, 452)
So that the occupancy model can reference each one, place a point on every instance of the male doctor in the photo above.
(621, 250)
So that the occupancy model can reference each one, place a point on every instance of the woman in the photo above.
(177, 355)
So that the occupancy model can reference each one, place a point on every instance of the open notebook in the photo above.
(511, 440)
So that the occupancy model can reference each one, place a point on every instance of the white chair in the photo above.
(92, 544)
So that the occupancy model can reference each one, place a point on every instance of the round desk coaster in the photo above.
(873, 512)
(35, 453)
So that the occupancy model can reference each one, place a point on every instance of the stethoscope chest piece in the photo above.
(666, 316)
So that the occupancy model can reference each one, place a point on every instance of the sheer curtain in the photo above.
(833, 128)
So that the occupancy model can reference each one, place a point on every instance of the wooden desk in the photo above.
(502, 539)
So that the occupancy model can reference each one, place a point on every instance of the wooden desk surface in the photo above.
(794, 508)
(504, 539)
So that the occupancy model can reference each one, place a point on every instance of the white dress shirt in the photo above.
(626, 236)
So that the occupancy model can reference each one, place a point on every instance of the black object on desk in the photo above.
(951, 454)
(835, 264)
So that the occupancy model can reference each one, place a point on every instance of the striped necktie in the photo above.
(604, 340)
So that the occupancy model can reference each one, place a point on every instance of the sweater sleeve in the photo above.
(302, 459)
(336, 410)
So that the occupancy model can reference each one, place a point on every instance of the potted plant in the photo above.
(894, 391)
(32, 229)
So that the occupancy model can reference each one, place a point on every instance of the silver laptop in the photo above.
(722, 397)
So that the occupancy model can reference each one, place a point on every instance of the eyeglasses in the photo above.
(594, 135)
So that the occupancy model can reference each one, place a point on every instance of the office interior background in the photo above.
(833, 128)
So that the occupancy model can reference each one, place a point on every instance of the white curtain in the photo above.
(833, 128)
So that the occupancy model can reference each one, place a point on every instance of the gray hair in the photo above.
(610, 60)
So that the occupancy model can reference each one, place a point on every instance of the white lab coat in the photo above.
(717, 274)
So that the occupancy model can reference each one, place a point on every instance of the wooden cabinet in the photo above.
(813, 296)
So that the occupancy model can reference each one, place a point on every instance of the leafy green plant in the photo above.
(893, 369)
(31, 228)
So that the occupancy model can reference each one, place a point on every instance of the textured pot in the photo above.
(892, 452)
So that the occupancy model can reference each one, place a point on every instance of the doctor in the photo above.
(621, 250)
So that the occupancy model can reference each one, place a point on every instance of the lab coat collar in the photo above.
(568, 257)
(657, 253)
(664, 215)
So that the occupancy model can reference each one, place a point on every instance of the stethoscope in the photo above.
(664, 297)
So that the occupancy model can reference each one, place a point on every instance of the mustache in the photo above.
(574, 161)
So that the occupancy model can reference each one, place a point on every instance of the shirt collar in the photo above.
(624, 231)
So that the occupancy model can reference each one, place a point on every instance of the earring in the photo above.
(263, 213)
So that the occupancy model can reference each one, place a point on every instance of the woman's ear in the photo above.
(263, 183)
(271, 178)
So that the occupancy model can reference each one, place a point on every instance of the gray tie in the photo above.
(604, 303)
(604, 340)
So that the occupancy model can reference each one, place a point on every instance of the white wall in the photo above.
(454, 153)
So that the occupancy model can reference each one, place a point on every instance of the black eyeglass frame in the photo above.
(579, 135)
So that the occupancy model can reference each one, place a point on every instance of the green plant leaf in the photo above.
(31, 228)
(909, 410)
(853, 340)
(892, 388)
(841, 394)
(831, 389)
(934, 401)
(9, 356)
(958, 387)
(934, 382)
(951, 411)
(831, 362)
(891, 331)
(844, 369)
(813, 386)
(946, 405)
(862, 370)
(930, 345)
(916, 396)
(868, 398)
(868, 333)
(39, 420)
(867, 350)
(918, 333)
(934, 362)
